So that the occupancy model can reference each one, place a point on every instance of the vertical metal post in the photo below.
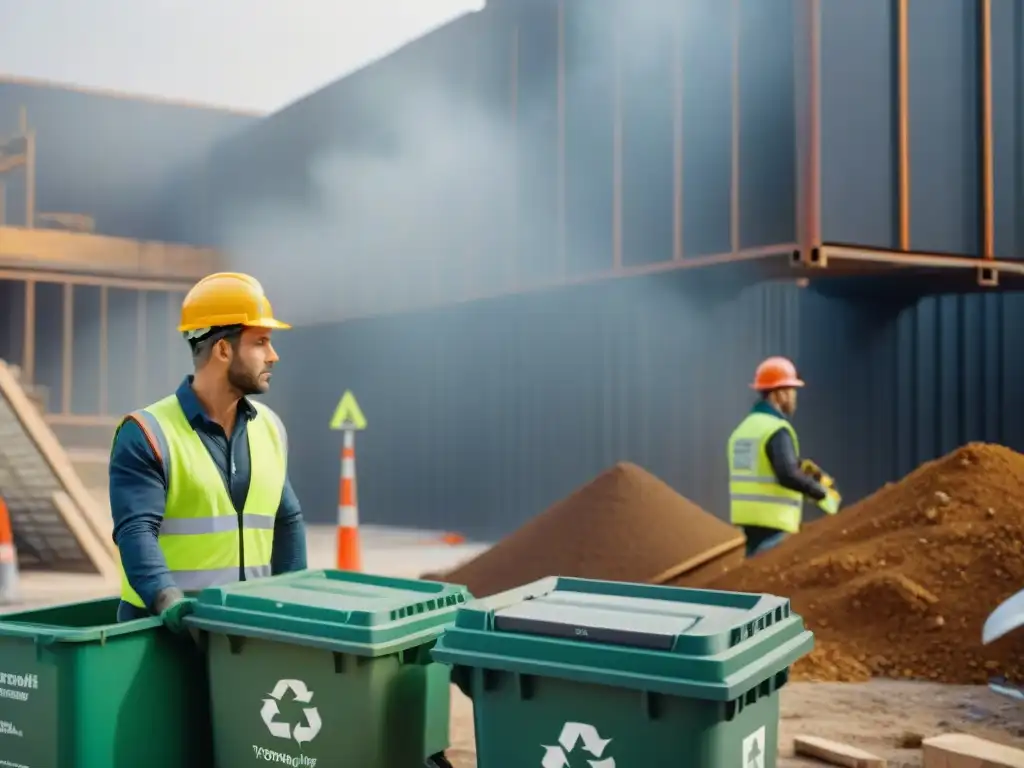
(903, 111)
(734, 201)
(814, 126)
(514, 106)
(617, 126)
(67, 349)
(30, 180)
(28, 362)
(677, 141)
(987, 138)
(140, 347)
(104, 403)
(563, 258)
(174, 301)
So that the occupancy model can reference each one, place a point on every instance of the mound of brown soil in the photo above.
(902, 582)
(625, 525)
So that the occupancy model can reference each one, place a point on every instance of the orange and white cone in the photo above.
(348, 553)
(8, 558)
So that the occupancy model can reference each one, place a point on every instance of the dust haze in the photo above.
(423, 194)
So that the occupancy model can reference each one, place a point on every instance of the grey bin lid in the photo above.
(594, 618)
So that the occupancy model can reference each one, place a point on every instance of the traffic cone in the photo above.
(348, 554)
(8, 557)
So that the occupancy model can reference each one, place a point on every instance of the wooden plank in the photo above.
(24, 248)
(108, 569)
(699, 560)
(98, 522)
(836, 753)
(961, 750)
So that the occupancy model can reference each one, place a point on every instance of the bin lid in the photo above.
(340, 610)
(704, 640)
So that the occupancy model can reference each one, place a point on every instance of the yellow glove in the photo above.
(810, 468)
(830, 504)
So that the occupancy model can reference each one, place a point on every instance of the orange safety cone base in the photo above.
(348, 552)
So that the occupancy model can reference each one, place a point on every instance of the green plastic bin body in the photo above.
(327, 668)
(79, 690)
(569, 673)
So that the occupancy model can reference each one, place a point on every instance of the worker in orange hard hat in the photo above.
(199, 488)
(767, 480)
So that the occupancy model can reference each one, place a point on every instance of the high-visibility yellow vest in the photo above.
(755, 496)
(202, 536)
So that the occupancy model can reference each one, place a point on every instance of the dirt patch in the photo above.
(900, 584)
(625, 525)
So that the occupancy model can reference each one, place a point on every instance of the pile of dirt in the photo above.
(625, 525)
(900, 584)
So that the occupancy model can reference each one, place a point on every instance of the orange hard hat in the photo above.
(776, 373)
(227, 298)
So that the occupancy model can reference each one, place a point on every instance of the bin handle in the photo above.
(45, 640)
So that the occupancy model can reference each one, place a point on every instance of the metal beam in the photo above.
(917, 259)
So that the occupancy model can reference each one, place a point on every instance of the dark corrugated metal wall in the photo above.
(860, 113)
(543, 177)
(481, 416)
(116, 159)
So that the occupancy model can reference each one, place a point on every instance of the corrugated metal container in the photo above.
(112, 158)
(939, 52)
(529, 144)
(480, 416)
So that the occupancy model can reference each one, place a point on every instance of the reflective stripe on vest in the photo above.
(755, 496)
(200, 537)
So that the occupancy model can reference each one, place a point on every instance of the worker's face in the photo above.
(251, 362)
(787, 401)
(784, 400)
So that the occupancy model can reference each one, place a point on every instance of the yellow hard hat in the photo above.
(227, 298)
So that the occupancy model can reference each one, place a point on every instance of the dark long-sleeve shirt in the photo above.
(785, 463)
(138, 496)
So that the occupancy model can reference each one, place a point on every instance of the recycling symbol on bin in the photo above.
(587, 737)
(303, 733)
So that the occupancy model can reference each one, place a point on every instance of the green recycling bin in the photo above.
(79, 690)
(327, 668)
(575, 672)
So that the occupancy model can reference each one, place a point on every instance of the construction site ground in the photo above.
(888, 718)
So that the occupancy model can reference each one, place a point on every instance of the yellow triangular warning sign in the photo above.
(348, 415)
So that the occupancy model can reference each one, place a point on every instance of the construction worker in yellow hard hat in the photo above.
(199, 488)
(767, 480)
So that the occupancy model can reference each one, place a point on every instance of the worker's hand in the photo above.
(830, 504)
(174, 615)
(172, 606)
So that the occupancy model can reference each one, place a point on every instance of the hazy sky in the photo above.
(247, 54)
